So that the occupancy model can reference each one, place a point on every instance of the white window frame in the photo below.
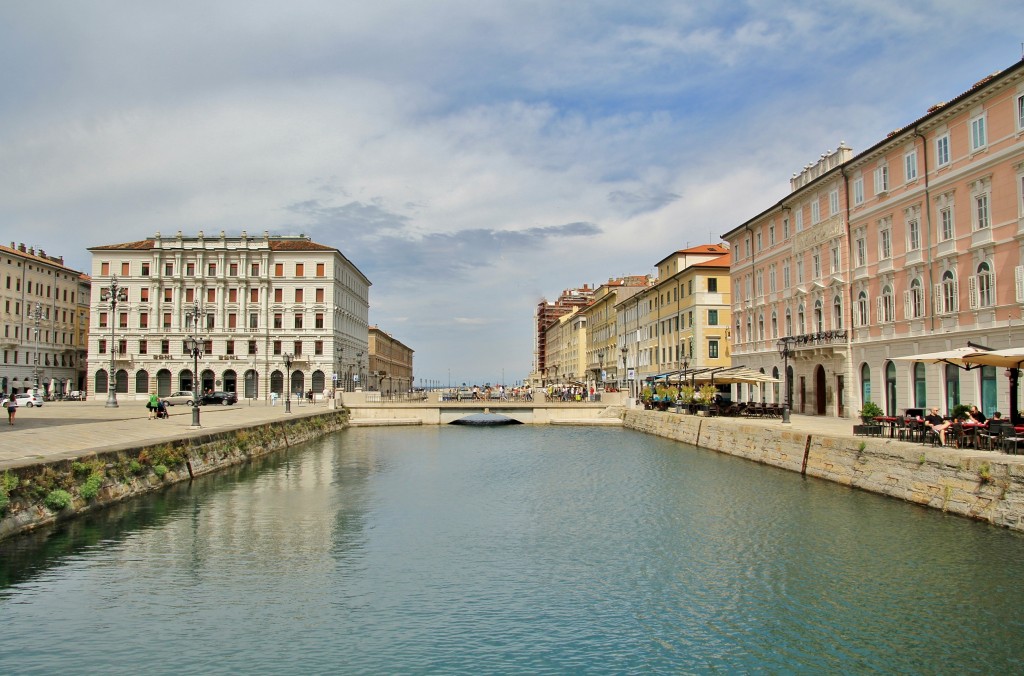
(942, 150)
(785, 275)
(913, 300)
(858, 190)
(910, 166)
(884, 243)
(798, 219)
(835, 259)
(862, 251)
(833, 202)
(979, 133)
(1020, 112)
(882, 179)
(982, 214)
(816, 264)
(913, 234)
(771, 235)
(815, 211)
(947, 294)
(981, 287)
(947, 226)
(863, 309)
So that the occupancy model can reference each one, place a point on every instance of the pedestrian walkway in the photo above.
(71, 429)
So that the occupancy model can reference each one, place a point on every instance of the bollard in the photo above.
(785, 413)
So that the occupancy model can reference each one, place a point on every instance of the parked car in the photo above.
(76, 395)
(28, 399)
(225, 398)
(180, 397)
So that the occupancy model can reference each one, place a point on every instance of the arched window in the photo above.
(952, 387)
(142, 382)
(865, 384)
(920, 386)
(775, 324)
(837, 312)
(760, 326)
(750, 330)
(985, 284)
(121, 381)
(890, 388)
(185, 380)
(915, 300)
(298, 382)
(101, 384)
(950, 291)
(862, 309)
(800, 323)
(886, 310)
(819, 319)
(777, 385)
(277, 382)
(789, 322)
(318, 381)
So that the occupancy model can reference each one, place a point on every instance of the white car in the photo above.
(180, 397)
(28, 399)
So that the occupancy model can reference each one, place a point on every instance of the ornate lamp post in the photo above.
(113, 294)
(37, 314)
(600, 369)
(359, 367)
(625, 351)
(785, 346)
(287, 382)
(194, 344)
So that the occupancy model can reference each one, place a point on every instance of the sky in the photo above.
(471, 157)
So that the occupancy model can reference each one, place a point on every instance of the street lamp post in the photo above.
(785, 346)
(113, 294)
(625, 351)
(600, 369)
(195, 345)
(287, 383)
(37, 314)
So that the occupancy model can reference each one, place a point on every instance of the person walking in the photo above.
(153, 405)
(12, 408)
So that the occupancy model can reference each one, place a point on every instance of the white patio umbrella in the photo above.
(954, 357)
(1011, 358)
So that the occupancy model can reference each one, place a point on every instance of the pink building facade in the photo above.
(915, 245)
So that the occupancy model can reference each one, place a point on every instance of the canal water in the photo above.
(512, 550)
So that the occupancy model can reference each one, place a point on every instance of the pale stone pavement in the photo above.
(71, 429)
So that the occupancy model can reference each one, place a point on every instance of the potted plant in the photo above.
(870, 411)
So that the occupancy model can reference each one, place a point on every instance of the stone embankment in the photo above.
(36, 495)
(977, 484)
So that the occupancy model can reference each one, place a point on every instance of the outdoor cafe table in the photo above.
(971, 432)
(889, 421)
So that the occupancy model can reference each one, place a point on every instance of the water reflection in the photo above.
(468, 550)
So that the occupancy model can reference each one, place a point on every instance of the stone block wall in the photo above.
(976, 484)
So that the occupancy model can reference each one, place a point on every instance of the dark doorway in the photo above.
(819, 390)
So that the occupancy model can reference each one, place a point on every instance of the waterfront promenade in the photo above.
(61, 430)
(69, 429)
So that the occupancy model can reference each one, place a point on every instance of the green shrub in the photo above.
(871, 410)
(135, 467)
(160, 470)
(58, 499)
(8, 483)
(4, 501)
(80, 468)
(91, 488)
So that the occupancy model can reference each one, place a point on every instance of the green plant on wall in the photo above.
(708, 392)
(688, 392)
(985, 472)
(91, 487)
(58, 499)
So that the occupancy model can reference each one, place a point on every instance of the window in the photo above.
(144, 294)
(799, 220)
(254, 295)
(713, 349)
(885, 243)
(229, 347)
(946, 230)
(105, 268)
(319, 269)
(233, 269)
(863, 318)
(232, 320)
(167, 320)
(278, 320)
(279, 269)
(318, 320)
(169, 269)
(914, 306)
(760, 327)
(1020, 112)
(300, 270)
(910, 166)
(103, 320)
(833, 202)
(942, 150)
(712, 285)
(979, 138)
(277, 347)
(819, 319)
(168, 295)
(298, 347)
(837, 312)
(126, 269)
(982, 291)
(211, 270)
(981, 215)
(775, 324)
(254, 270)
(143, 347)
(712, 317)
(190, 295)
(318, 347)
(143, 320)
(145, 269)
(211, 295)
(861, 248)
(858, 191)
(913, 235)
(298, 320)
(758, 240)
(232, 295)
(789, 322)
(252, 347)
(785, 228)
(816, 263)
(278, 295)
(102, 348)
(948, 293)
(885, 305)
(254, 320)
(190, 269)
(815, 212)
(165, 346)
(835, 259)
(298, 295)
(882, 179)
(771, 235)
(785, 275)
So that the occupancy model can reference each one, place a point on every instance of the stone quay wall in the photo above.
(976, 484)
(97, 480)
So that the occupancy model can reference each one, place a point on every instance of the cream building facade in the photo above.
(391, 363)
(259, 299)
(603, 355)
(45, 321)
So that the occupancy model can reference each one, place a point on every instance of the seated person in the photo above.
(977, 415)
(934, 421)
